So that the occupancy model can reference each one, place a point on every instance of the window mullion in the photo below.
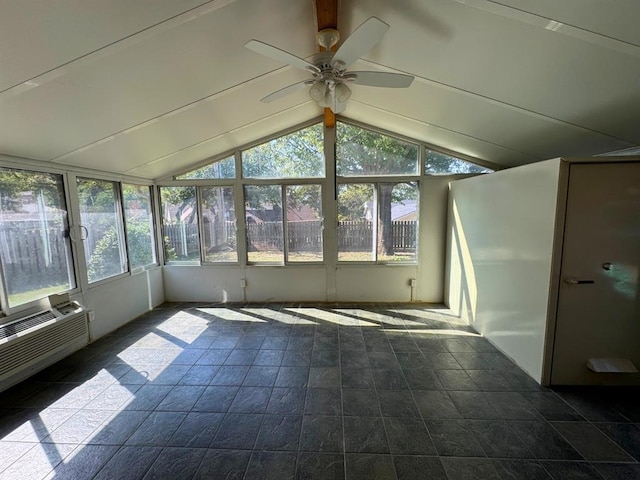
(285, 224)
(201, 241)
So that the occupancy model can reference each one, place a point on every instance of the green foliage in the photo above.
(181, 198)
(97, 196)
(362, 152)
(140, 243)
(105, 258)
(441, 164)
(15, 182)
(352, 199)
(299, 154)
(225, 168)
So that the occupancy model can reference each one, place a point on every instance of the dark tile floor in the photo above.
(281, 392)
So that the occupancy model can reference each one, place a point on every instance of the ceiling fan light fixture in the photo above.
(327, 38)
(318, 91)
(326, 101)
(342, 93)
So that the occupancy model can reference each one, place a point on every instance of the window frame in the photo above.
(154, 228)
(395, 180)
(283, 184)
(180, 183)
(119, 213)
(7, 313)
(203, 260)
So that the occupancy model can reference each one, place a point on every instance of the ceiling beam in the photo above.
(326, 14)
(327, 17)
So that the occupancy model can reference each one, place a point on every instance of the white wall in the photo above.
(329, 282)
(116, 302)
(499, 257)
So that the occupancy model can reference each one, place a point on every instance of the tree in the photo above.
(441, 163)
(298, 154)
(362, 152)
(225, 168)
(14, 182)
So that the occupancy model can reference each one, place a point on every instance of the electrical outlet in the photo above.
(412, 282)
(92, 315)
(243, 283)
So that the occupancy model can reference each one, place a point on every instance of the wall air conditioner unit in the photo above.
(35, 341)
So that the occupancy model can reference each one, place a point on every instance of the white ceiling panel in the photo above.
(617, 19)
(153, 86)
(214, 117)
(38, 36)
(184, 159)
(438, 136)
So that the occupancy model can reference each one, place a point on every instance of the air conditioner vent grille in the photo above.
(44, 342)
(25, 324)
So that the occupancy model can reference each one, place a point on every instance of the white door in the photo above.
(599, 302)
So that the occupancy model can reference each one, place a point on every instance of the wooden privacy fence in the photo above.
(37, 257)
(404, 235)
(34, 257)
(357, 236)
(302, 236)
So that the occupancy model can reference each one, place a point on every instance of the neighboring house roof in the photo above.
(404, 211)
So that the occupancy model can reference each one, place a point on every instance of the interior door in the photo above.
(598, 312)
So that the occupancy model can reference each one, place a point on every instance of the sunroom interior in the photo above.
(197, 283)
(140, 169)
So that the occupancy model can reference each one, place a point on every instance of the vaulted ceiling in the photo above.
(150, 87)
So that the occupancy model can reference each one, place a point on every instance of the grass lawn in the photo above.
(278, 257)
(24, 297)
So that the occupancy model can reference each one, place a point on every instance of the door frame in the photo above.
(558, 245)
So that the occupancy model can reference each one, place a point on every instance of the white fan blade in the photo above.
(360, 41)
(279, 55)
(382, 79)
(284, 91)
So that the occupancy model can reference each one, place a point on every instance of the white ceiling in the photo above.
(150, 87)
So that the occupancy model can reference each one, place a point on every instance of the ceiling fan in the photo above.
(329, 75)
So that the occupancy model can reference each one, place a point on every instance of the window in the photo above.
(297, 155)
(225, 168)
(138, 216)
(180, 224)
(263, 220)
(304, 223)
(218, 224)
(377, 222)
(437, 163)
(104, 244)
(362, 152)
(34, 243)
(356, 222)
(266, 221)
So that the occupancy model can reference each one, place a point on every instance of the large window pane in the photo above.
(299, 154)
(180, 224)
(361, 152)
(377, 222)
(356, 222)
(225, 168)
(138, 216)
(218, 224)
(263, 210)
(34, 243)
(397, 222)
(437, 163)
(104, 245)
(304, 223)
